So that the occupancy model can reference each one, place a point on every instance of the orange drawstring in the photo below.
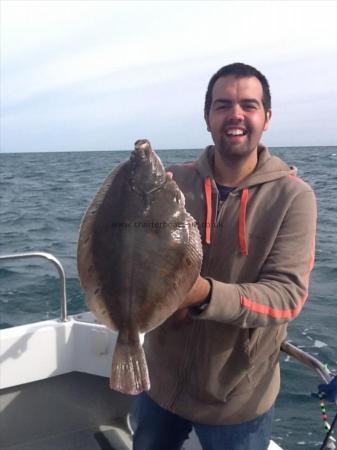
(208, 196)
(242, 216)
(242, 222)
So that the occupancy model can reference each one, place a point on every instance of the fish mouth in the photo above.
(142, 148)
(146, 167)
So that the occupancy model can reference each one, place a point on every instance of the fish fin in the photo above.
(129, 373)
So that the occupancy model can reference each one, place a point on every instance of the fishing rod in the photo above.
(329, 441)
(326, 391)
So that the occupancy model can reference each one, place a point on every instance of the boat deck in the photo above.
(74, 411)
(68, 412)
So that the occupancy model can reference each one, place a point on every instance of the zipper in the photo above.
(219, 213)
(187, 359)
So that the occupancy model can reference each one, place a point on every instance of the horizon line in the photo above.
(157, 149)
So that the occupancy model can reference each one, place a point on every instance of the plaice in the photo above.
(139, 253)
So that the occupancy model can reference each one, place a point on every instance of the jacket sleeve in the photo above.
(282, 288)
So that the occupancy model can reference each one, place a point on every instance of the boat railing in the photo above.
(308, 360)
(51, 258)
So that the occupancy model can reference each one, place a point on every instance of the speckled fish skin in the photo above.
(139, 253)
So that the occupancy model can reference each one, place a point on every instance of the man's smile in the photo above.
(235, 131)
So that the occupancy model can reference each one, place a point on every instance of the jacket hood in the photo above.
(269, 168)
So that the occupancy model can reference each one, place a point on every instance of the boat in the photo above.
(54, 390)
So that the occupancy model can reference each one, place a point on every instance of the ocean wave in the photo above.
(6, 273)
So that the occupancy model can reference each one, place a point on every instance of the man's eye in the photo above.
(250, 107)
(222, 107)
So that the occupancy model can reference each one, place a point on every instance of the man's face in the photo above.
(237, 117)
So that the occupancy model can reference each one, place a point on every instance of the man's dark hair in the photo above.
(238, 70)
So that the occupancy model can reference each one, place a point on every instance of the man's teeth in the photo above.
(235, 132)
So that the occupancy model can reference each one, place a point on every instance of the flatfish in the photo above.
(139, 253)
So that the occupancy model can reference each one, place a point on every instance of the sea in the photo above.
(42, 199)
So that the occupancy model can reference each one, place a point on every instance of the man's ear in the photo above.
(207, 120)
(268, 117)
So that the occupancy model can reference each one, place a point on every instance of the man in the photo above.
(214, 364)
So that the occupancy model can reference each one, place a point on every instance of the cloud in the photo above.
(116, 69)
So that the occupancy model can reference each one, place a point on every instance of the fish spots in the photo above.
(97, 291)
(188, 261)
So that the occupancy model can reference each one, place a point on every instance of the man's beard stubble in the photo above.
(235, 152)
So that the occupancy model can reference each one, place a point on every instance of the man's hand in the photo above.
(196, 296)
(198, 293)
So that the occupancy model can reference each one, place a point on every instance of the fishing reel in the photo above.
(328, 392)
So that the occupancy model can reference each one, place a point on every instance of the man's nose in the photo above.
(236, 113)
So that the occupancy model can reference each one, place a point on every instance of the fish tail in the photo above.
(129, 373)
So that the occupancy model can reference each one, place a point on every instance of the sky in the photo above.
(98, 75)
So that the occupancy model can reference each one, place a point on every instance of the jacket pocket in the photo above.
(220, 362)
(265, 343)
